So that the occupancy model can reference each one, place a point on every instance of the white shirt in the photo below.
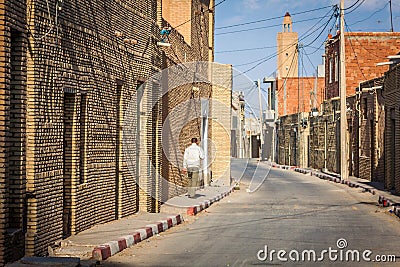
(193, 155)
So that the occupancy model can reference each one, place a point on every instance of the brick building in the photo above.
(307, 91)
(363, 51)
(13, 104)
(369, 141)
(391, 95)
(367, 156)
(66, 166)
(291, 140)
(312, 139)
(191, 91)
(294, 94)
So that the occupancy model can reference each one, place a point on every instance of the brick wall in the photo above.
(363, 51)
(391, 95)
(178, 12)
(65, 98)
(288, 94)
(190, 43)
(371, 135)
(12, 129)
(318, 144)
(292, 140)
(221, 124)
(80, 80)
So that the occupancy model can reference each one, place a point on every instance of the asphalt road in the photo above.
(289, 211)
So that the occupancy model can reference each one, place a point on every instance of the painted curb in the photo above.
(111, 248)
(382, 200)
(192, 211)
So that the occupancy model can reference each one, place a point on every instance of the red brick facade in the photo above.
(309, 90)
(363, 51)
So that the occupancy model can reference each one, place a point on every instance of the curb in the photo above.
(193, 210)
(382, 200)
(111, 248)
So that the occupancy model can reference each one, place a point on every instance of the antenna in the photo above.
(391, 16)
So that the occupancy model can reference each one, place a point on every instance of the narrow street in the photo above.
(289, 211)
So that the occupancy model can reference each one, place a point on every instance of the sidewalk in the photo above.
(191, 206)
(102, 241)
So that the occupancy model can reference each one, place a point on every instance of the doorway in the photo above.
(68, 120)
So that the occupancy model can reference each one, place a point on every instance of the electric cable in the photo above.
(370, 16)
(189, 20)
(266, 27)
(261, 61)
(272, 18)
(355, 54)
(351, 11)
(355, 3)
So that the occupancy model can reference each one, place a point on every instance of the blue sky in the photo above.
(371, 15)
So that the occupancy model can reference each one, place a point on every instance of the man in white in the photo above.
(191, 164)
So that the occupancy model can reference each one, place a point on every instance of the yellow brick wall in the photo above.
(221, 123)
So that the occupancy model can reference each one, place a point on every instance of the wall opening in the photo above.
(118, 152)
(83, 138)
(15, 143)
(392, 152)
(68, 119)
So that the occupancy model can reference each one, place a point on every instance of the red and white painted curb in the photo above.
(193, 210)
(384, 201)
(111, 248)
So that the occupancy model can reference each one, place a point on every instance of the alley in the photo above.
(289, 211)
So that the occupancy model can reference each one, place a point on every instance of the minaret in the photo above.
(287, 41)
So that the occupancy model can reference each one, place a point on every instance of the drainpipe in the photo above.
(359, 124)
(325, 144)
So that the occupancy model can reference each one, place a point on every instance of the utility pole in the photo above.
(391, 16)
(343, 117)
(298, 136)
(261, 119)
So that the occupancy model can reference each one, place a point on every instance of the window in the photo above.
(330, 70)
(336, 68)
(365, 108)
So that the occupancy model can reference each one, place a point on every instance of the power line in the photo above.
(323, 30)
(355, 54)
(272, 18)
(305, 35)
(351, 11)
(370, 16)
(245, 49)
(189, 20)
(302, 38)
(362, 46)
(355, 3)
(265, 27)
(256, 48)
